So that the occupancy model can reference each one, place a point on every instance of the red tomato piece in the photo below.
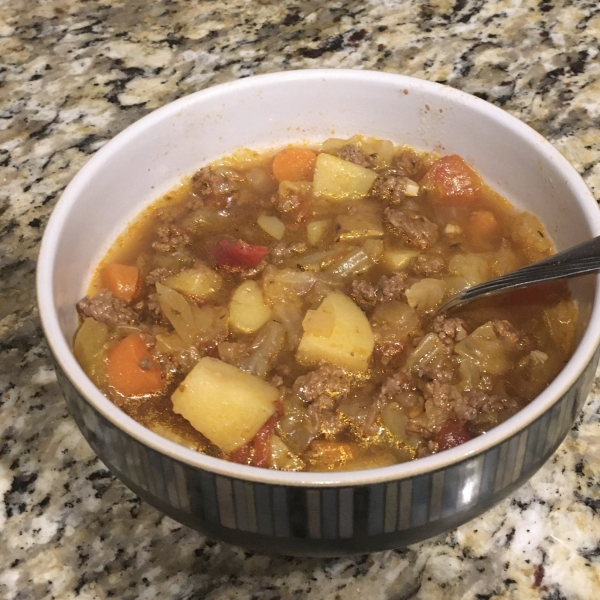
(452, 433)
(237, 253)
(262, 444)
(452, 182)
(242, 455)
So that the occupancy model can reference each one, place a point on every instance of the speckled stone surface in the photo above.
(72, 75)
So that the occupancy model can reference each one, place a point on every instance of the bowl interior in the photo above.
(152, 156)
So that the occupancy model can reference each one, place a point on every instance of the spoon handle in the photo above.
(573, 262)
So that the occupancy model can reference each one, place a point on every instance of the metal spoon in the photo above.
(578, 260)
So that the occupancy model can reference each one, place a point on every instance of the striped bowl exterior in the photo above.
(329, 521)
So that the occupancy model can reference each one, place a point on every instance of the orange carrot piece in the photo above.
(122, 280)
(484, 224)
(131, 369)
(452, 182)
(294, 164)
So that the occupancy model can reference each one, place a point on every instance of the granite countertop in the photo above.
(72, 75)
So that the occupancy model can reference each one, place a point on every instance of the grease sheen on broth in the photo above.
(276, 309)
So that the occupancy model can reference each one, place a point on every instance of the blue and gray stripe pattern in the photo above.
(329, 521)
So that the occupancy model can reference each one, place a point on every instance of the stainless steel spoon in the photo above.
(578, 260)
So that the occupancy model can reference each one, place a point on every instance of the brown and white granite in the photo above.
(72, 75)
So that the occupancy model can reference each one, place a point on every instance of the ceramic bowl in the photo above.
(323, 514)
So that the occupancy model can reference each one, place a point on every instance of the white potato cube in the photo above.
(338, 179)
(248, 311)
(427, 294)
(315, 231)
(199, 282)
(348, 343)
(398, 259)
(272, 226)
(225, 404)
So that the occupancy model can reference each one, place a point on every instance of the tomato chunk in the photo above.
(237, 253)
(452, 433)
(262, 444)
(452, 182)
(258, 450)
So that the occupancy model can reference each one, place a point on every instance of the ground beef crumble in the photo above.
(352, 153)
(107, 309)
(449, 330)
(391, 187)
(415, 230)
(367, 295)
(170, 238)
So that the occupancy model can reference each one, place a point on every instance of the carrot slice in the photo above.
(262, 444)
(483, 223)
(294, 164)
(452, 182)
(122, 280)
(484, 228)
(131, 369)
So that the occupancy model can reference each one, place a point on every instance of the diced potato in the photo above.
(316, 230)
(373, 249)
(485, 350)
(225, 404)
(282, 458)
(242, 157)
(271, 225)
(394, 321)
(427, 294)
(339, 179)
(527, 231)
(199, 282)
(359, 225)
(350, 343)
(319, 323)
(382, 149)
(89, 348)
(472, 268)
(395, 420)
(561, 320)
(248, 311)
(398, 259)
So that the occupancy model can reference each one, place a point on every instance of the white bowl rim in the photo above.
(65, 359)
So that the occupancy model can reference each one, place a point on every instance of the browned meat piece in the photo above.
(393, 386)
(441, 393)
(286, 203)
(331, 422)
(211, 184)
(354, 154)
(410, 164)
(414, 230)
(157, 274)
(328, 381)
(291, 200)
(367, 295)
(364, 293)
(170, 237)
(449, 330)
(397, 383)
(391, 187)
(392, 287)
(428, 265)
(483, 402)
(105, 308)
(441, 374)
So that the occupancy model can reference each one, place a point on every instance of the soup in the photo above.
(277, 309)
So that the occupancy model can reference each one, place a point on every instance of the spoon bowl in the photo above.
(581, 259)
